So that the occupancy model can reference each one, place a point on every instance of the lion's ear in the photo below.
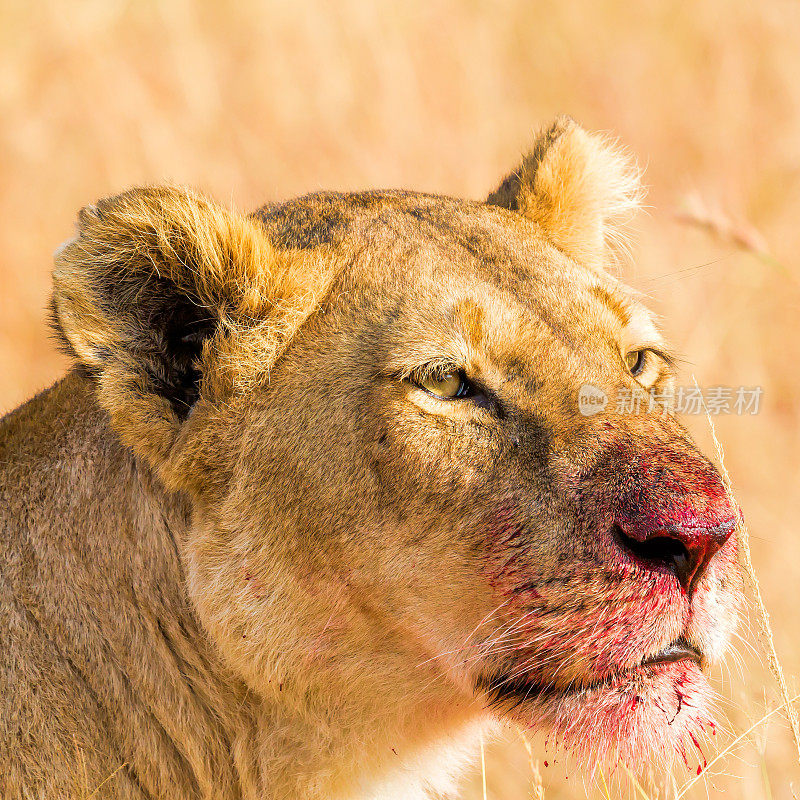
(578, 186)
(167, 298)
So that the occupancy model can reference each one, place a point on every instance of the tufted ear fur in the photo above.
(579, 187)
(165, 298)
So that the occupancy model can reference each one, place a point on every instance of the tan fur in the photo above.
(244, 555)
(580, 187)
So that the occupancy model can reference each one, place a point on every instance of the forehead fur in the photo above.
(418, 243)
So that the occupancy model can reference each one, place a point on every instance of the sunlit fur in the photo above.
(246, 556)
(581, 187)
(256, 296)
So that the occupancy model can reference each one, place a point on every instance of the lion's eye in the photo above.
(635, 361)
(450, 386)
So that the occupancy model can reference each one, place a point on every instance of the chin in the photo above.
(650, 714)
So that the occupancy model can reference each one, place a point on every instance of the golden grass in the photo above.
(765, 634)
(789, 704)
(263, 100)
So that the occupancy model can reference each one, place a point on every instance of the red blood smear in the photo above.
(697, 745)
(546, 764)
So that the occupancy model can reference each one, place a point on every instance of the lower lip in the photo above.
(674, 658)
(520, 692)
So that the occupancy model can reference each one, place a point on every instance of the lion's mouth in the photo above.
(660, 707)
(516, 689)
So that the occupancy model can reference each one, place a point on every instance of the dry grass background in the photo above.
(263, 100)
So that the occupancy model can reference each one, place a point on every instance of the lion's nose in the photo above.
(685, 549)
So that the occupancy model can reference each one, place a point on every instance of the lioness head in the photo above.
(401, 519)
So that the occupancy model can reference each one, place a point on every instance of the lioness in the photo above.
(317, 505)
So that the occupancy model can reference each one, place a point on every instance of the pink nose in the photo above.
(686, 548)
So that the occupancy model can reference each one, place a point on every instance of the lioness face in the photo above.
(573, 570)
(409, 500)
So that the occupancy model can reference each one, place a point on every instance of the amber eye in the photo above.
(635, 361)
(450, 386)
